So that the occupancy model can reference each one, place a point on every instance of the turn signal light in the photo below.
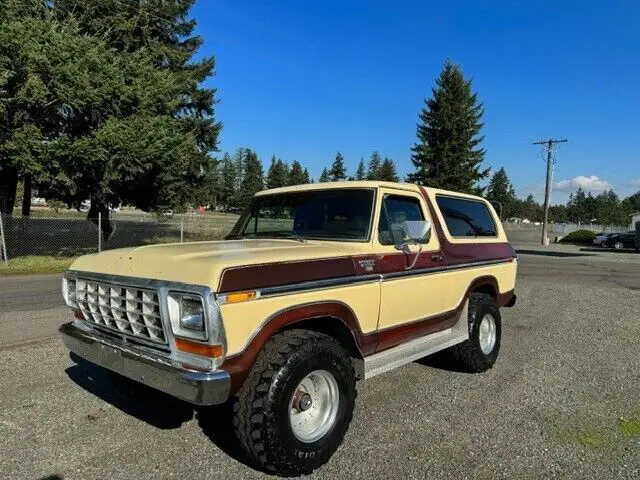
(211, 351)
(240, 296)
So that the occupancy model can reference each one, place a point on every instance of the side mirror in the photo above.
(416, 231)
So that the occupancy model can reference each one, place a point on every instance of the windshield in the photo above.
(336, 214)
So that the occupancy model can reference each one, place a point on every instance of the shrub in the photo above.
(579, 236)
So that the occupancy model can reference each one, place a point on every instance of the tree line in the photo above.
(377, 168)
(605, 208)
(236, 178)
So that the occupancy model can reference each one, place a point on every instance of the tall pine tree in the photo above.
(387, 171)
(278, 174)
(338, 170)
(448, 152)
(360, 172)
(228, 183)
(375, 162)
(252, 181)
(501, 193)
(324, 176)
(297, 175)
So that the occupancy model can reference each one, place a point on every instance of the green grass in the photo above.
(35, 264)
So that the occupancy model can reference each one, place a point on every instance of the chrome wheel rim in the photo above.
(313, 407)
(618, 245)
(487, 334)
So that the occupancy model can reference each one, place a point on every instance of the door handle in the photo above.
(436, 257)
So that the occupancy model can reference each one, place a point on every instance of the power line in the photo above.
(550, 144)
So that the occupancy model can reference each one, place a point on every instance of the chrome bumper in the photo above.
(200, 388)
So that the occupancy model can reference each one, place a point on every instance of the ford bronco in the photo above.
(316, 286)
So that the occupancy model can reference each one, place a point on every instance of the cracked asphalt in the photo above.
(563, 400)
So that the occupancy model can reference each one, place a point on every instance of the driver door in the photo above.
(407, 295)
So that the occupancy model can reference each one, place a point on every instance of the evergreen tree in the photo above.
(375, 162)
(387, 172)
(307, 177)
(360, 172)
(324, 176)
(228, 182)
(577, 206)
(123, 114)
(297, 176)
(338, 170)
(448, 153)
(252, 181)
(501, 193)
(608, 209)
(278, 174)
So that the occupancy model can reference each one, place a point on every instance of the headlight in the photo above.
(69, 291)
(187, 315)
(191, 314)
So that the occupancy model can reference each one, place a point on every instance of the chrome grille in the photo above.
(130, 310)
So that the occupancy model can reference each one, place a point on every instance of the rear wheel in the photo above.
(295, 408)
(480, 351)
(618, 245)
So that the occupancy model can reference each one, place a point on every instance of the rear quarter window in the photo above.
(465, 217)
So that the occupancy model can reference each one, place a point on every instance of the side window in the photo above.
(466, 218)
(395, 210)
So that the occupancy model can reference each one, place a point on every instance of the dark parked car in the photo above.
(624, 240)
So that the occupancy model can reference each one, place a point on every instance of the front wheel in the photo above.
(480, 351)
(295, 408)
(618, 245)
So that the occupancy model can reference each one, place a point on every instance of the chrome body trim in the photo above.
(356, 279)
(197, 387)
(319, 284)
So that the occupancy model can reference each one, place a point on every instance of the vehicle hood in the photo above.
(202, 263)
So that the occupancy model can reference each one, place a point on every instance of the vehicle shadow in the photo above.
(157, 408)
(553, 254)
(443, 361)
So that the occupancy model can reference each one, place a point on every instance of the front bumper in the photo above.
(199, 388)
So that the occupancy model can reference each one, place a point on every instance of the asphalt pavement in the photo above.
(563, 400)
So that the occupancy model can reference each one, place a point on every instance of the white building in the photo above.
(635, 218)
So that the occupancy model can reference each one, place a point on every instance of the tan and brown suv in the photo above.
(317, 286)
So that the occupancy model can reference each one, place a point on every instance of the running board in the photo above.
(420, 347)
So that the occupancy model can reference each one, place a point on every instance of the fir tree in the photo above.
(338, 170)
(297, 175)
(307, 177)
(448, 153)
(387, 172)
(501, 193)
(252, 181)
(324, 176)
(375, 162)
(360, 172)
(278, 174)
(227, 185)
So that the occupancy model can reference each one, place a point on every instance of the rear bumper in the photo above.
(199, 388)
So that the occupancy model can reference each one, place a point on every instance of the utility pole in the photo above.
(547, 193)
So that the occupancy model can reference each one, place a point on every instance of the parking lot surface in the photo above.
(563, 400)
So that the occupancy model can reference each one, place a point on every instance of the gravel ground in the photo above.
(563, 401)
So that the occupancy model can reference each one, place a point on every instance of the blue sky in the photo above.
(302, 80)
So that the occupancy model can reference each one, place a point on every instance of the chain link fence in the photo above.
(70, 234)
